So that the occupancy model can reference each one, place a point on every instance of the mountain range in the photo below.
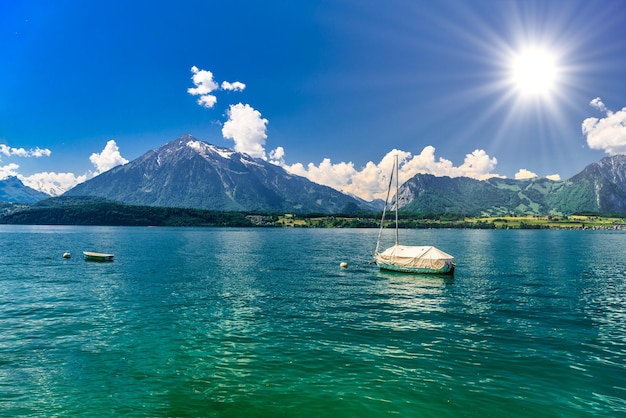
(600, 187)
(190, 173)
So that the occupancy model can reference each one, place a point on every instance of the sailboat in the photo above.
(424, 259)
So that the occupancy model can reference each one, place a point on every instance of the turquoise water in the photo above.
(264, 322)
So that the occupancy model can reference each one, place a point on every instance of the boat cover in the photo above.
(415, 257)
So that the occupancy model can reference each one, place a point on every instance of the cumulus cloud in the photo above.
(236, 86)
(21, 152)
(207, 100)
(525, 174)
(476, 165)
(53, 184)
(109, 157)
(203, 80)
(205, 85)
(370, 182)
(608, 133)
(338, 176)
(277, 156)
(598, 104)
(246, 128)
(9, 170)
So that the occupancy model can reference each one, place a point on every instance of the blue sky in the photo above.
(327, 89)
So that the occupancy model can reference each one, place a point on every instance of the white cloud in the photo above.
(9, 170)
(38, 152)
(609, 133)
(477, 165)
(246, 128)
(21, 152)
(598, 104)
(109, 157)
(338, 176)
(525, 174)
(53, 184)
(277, 156)
(203, 80)
(236, 86)
(207, 100)
(370, 182)
(206, 85)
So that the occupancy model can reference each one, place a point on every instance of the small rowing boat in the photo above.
(92, 256)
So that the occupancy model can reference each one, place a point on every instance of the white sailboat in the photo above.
(424, 259)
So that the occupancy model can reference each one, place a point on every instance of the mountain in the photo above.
(190, 173)
(14, 191)
(600, 187)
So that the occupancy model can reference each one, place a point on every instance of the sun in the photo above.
(534, 72)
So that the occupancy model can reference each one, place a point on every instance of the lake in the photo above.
(256, 322)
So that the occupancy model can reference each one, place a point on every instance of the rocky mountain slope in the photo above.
(190, 173)
(600, 187)
(14, 191)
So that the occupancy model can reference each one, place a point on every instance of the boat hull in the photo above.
(447, 269)
(91, 256)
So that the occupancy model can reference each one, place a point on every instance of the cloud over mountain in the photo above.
(9, 170)
(370, 181)
(608, 133)
(54, 183)
(246, 127)
(109, 157)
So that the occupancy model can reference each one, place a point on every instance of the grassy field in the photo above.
(496, 222)
(557, 222)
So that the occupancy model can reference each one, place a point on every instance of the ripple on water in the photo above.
(257, 322)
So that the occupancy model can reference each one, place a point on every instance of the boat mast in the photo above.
(387, 202)
(397, 189)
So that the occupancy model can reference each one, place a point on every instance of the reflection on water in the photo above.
(418, 280)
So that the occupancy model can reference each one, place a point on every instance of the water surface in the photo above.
(264, 322)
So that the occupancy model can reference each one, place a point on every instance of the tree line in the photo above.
(74, 211)
(116, 214)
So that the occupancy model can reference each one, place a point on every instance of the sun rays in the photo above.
(534, 72)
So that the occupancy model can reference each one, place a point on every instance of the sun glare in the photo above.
(533, 72)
